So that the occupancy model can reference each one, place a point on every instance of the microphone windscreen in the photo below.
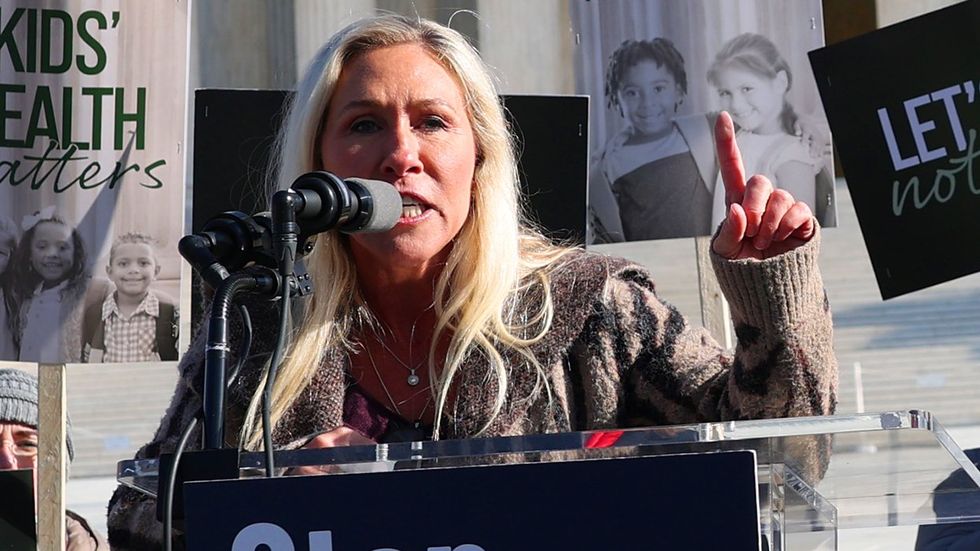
(386, 206)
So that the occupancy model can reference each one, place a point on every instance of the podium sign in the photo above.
(691, 501)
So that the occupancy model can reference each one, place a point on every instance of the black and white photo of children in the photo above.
(92, 149)
(62, 304)
(659, 72)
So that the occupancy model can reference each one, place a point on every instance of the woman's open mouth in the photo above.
(412, 208)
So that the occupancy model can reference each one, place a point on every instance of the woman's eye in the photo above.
(364, 126)
(724, 93)
(746, 89)
(433, 123)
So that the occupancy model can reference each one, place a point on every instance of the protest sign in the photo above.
(903, 105)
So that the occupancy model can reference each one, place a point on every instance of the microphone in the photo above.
(351, 205)
(319, 201)
(227, 243)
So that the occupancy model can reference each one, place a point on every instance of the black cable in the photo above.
(270, 464)
(168, 511)
(285, 234)
(245, 345)
(168, 489)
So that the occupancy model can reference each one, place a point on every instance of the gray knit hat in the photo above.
(18, 401)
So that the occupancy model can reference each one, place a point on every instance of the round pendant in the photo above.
(413, 379)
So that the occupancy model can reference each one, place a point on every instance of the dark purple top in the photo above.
(365, 415)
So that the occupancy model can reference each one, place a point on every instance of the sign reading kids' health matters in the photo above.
(904, 105)
(92, 111)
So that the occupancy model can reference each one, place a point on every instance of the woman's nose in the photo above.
(403, 156)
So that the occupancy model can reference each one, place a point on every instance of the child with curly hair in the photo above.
(655, 178)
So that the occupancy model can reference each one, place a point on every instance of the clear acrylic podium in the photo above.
(817, 475)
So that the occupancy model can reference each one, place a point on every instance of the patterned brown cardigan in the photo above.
(616, 356)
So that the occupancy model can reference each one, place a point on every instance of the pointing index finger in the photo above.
(729, 159)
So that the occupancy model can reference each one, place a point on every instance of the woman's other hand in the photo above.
(340, 436)
(761, 221)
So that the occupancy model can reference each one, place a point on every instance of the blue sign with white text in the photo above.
(691, 501)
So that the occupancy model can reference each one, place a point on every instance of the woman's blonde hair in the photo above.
(497, 260)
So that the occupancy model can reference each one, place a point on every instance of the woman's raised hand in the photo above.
(761, 221)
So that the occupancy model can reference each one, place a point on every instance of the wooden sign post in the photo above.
(52, 464)
(715, 315)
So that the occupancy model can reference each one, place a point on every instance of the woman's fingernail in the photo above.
(760, 244)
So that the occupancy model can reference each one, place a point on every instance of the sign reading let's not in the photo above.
(904, 105)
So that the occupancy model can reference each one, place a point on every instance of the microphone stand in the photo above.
(285, 237)
(214, 461)
(239, 240)
(257, 280)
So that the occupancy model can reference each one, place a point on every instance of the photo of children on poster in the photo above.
(905, 114)
(91, 183)
(659, 72)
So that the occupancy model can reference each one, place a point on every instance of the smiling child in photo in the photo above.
(655, 178)
(48, 278)
(133, 324)
(752, 80)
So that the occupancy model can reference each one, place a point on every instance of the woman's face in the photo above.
(649, 96)
(397, 115)
(18, 449)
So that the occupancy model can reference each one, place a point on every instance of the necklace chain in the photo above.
(413, 378)
(391, 400)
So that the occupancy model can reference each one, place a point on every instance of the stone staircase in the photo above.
(114, 410)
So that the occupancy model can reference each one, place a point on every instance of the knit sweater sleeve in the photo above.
(659, 369)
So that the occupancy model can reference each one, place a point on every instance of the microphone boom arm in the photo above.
(262, 281)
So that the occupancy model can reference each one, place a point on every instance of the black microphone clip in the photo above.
(227, 243)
